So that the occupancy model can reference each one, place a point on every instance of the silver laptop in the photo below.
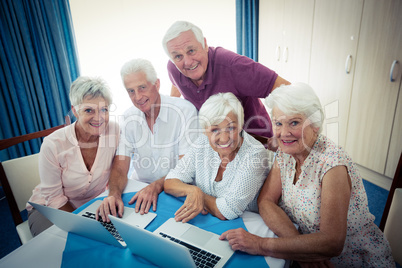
(175, 244)
(84, 222)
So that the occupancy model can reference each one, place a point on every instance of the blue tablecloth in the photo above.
(84, 252)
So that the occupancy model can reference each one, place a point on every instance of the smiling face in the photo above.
(143, 93)
(92, 117)
(225, 137)
(189, 56)
(295, 134)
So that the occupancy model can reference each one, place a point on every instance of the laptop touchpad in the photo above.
(194, 234)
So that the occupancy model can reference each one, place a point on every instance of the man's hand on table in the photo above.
(147, 196)
(111, 205)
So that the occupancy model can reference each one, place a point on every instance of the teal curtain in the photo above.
(247, 28)
(38, 63)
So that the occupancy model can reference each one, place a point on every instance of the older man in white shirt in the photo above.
(155, 134)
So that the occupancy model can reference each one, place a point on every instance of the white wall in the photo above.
(109, 33)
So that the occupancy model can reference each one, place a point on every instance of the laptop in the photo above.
(84, 222)
(175, 244)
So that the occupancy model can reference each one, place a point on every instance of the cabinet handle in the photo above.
(348, 64)
(391, 72)
(286, 54)
(278, 53)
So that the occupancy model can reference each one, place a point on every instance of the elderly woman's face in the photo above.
(92, 116)
(295, 133)
(224, 137)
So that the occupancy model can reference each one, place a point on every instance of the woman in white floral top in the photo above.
(313, 184)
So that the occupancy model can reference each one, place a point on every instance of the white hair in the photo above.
(298, 98)
(217, 107)
(179, 27)
(92, 87)
(137, 66)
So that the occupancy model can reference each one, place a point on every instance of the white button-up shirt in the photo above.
(155, 153)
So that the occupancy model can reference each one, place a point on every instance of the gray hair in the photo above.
(92, 87)
(137, 66)
(179, 27)
(217, 107)
(298, 98)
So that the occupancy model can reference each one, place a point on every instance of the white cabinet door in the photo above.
(374, 96)
(333, 57)
(270, 41)
(285, 30)
(297, 32)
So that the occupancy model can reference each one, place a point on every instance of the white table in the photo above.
(46, 249)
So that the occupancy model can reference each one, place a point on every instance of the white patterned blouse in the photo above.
(241, 182)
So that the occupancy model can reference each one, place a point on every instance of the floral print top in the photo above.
(365, 244)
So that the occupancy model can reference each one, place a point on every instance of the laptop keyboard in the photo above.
(201, 257)
(108, 225)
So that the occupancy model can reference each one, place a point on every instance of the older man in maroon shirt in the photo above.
(198, 71)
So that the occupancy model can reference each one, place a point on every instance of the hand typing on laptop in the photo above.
(147, 196)
(110, 206)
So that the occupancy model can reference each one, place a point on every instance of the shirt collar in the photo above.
(163, 112)
(70, 132)
(208, 72)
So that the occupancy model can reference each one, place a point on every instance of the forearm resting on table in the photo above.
(312, 247)
(293, 245)
(178, 188)
(210, 206)
(277, 220)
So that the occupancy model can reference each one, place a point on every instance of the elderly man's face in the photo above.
(143, 93)
(224, 137)
(189, 56)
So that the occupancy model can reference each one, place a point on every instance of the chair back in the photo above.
(392, 228)
(19, 176)
(22, 176)
(396, 183)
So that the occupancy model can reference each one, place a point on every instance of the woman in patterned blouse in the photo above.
(315, 185)
(223, 171)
